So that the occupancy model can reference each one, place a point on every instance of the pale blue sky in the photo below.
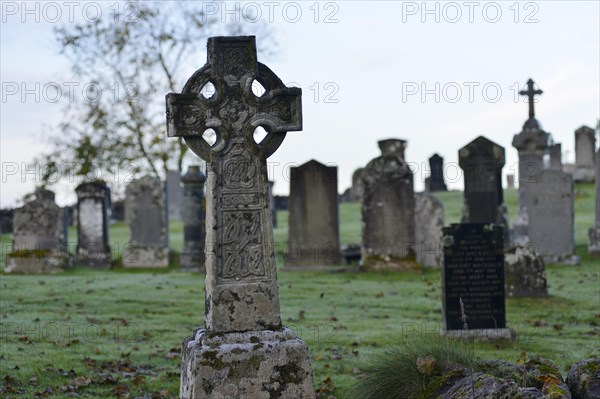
(370, 57)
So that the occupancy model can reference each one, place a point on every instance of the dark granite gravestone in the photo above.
(194, 219)
(174, 195)
(388, 210)
(555, 153)
(473, 281)
(244, 351)
(281, 202)
(313, 238)
(146, 214)
(93, 202)
(118, 211)
(585, 147)
(552, 217)
(39, 237)
(6, 221)
(594, 231)
(436, 179)
(531, 143)
(481, 161)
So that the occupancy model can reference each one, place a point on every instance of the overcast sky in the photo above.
(437, 74)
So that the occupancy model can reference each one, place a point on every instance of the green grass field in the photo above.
(117, 333)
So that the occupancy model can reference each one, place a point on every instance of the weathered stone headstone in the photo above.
(118, 211)
(482, 161)
(551, 217)
(146, 214)
(39, 237)
(473, 281)
(174, 195)
(313, 238)
(93, 202)
(272, 204)
(281, 202)
(585, 147)
(244, 351)
(436, 179)
(6, 221)
(356, 191)
(510, 181)
(594, 232)
(555, 153)
(429, 221)
(531, 143)
(194, 218)
(524, 272)
(388, 210)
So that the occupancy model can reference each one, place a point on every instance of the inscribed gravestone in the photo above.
(531, 143)
(585, 146)
(473, 281)
(481, 161)
(388, 210)
(429, 221)
(174, 195)
(313, 238)
(594, 232)
(436, 179)
(551, 217)
(244, 350)
(192, 255)
(93, 202)
(39, 237)
(146, 215)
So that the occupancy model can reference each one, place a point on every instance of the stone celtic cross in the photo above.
(530, 93)
(241, 280)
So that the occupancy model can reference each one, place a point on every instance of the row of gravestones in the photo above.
(40, 242)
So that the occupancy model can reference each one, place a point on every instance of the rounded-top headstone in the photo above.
(193, 175)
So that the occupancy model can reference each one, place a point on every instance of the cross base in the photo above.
(253, 364)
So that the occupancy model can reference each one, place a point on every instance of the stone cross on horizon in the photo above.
(530, 93)
(241, 278)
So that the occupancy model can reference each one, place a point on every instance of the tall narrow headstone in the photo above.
(192, 255)
(436, 179)
(244, 351)
(594, 232)
(531, 143)
(473, 281)
(585, 146)
(39, 237)
(146, 214)
(429, 222)
(356, 191)
(93, 202)
(482, 161)
(510, 181)
(551, 217)
(555, 152)
(388, 210)
(174, 195)
(272, 204)
(313, 238)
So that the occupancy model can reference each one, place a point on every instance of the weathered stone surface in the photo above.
(388, 207)
(530, 393)
(39, 237)
(482, 386)
(192, 255)
(543, 374)
(524, 273)
(510, 181)
(257, 365)
(585, 146)
(174, 195)
(313, 238)
(551, 217)
(555, 152)
(584, 379)
(250, 355)
(429, 222)
(146, 214)
(436, 179)
(272, 204)
(356, 191)
(531, 143)
(594, 231)
(93, 202)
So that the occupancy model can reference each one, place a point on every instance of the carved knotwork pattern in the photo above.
(239, 169)
(241, 246)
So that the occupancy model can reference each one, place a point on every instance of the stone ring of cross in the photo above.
(233, 109)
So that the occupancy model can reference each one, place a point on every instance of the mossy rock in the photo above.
(584, 379)
(483, 386)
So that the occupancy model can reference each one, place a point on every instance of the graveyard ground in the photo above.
(117, 333)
